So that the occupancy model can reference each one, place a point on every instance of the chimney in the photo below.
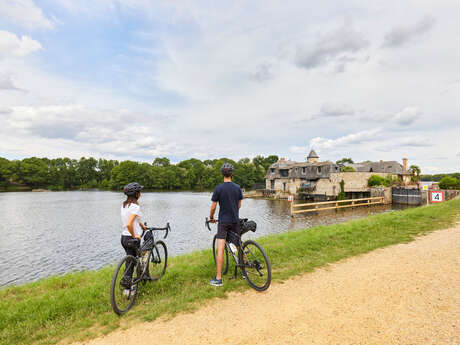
(404, 164)
(283, 160)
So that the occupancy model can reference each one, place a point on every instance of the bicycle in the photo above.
(249, 256)
(149, 264)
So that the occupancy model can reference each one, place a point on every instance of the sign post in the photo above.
(425, 187)
(291, 201)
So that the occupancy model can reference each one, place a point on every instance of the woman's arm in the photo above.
(130, 225)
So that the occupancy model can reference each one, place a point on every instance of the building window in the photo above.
(319, 170)
(284, 173)
(304, 170)
(272, 170)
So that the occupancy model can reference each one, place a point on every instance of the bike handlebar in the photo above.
(167, 228)
(207, 221)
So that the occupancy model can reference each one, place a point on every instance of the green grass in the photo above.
(76, 306)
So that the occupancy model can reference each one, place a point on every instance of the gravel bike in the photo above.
(249, 256)
(149, 264)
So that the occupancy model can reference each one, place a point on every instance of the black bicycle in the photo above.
(149, 264)
(249, 256)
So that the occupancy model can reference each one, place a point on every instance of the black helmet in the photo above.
(227, 169)
(131, 189)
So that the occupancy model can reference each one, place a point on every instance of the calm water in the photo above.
(42, 234)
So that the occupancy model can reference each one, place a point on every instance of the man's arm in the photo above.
(239, 204)
(212, 211)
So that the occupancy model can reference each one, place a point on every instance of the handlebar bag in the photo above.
(250, 225)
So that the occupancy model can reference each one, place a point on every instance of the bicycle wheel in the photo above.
(256, 267)
(158, 259)
(122, 297)
(214, 253)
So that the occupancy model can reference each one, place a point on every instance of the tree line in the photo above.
(161, 174)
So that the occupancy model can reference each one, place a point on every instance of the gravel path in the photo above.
(403, 294)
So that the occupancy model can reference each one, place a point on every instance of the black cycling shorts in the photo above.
(227, 231)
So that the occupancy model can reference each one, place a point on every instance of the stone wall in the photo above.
(354, 182)
(386, 192)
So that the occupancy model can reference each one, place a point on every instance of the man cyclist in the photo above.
(229, 196)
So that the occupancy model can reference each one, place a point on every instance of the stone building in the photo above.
(321, 180)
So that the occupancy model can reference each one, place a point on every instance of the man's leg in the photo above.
(220, 257)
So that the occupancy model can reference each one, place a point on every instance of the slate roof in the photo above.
(312, 154)
(392, 167)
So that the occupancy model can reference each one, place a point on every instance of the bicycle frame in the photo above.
(229, 250)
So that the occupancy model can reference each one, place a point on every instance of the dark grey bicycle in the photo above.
(149, 264)
(249, 256)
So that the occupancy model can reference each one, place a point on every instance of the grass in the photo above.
(76, 306)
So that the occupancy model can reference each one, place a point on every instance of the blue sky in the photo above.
(137, 79)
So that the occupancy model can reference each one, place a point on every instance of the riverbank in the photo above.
(76, 306)
(380, 297)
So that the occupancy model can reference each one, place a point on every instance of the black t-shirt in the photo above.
(228, 194)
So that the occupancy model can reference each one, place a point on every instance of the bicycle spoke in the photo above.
(157, 261)
(256, 266)
(124, 288)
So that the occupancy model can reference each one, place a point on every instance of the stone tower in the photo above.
(312, 157)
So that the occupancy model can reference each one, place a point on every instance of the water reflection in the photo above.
(52, 233)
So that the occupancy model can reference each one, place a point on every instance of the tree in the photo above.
(33, 172)
(342, 195)
(449, 182)
(344, 160)
(415, 172)
(161, 162)
(5, 171)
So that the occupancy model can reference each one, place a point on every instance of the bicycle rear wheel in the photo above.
(123, 292)
(256, 267)
(158, 260)
(214, 253)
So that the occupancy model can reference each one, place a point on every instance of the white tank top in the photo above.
(126, 212)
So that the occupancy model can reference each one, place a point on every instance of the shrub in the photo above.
(341, 195)
(376, 180)
(348, 169)
(449, 182)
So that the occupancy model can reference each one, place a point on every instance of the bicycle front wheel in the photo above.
(125, 284)
(158, 260)
(214, 253)
(256, 266)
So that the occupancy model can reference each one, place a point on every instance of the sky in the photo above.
(139, 79)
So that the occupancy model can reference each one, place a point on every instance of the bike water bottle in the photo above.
(233, 248)
(145, 256)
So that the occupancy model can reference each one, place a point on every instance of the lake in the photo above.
(43, 234)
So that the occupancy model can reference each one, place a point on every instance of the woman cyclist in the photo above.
(131, 226)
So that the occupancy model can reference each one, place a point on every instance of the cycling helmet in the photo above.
(131, 189)
(227, 169)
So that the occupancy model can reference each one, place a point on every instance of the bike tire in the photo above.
(158, 260)
(256, 268)
(214, 254)
(119, 301)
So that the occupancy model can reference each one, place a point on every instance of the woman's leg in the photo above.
(129, 251)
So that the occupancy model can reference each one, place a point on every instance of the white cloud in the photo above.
(407, 116)
(256, 71)
(341, 44)
(14, 46)
(350, 139)
(25, 14)
(399, 36)
(6, 83)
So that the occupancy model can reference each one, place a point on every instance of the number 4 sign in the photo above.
(437, 196)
